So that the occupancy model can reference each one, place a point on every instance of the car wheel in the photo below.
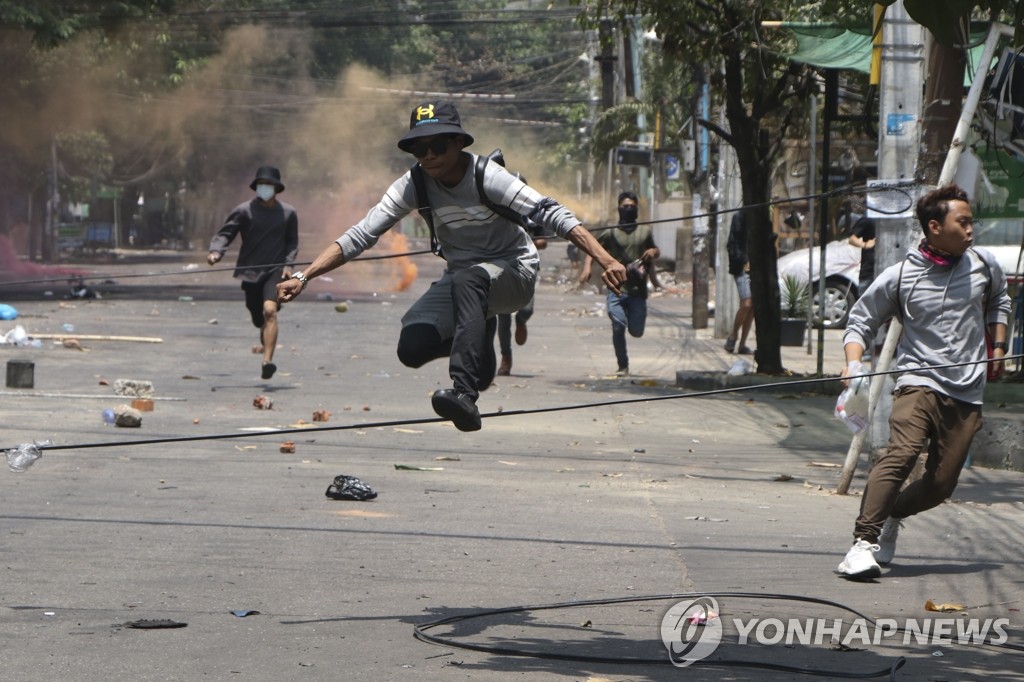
(840, 296)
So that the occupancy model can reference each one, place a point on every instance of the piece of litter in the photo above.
(702, 617)
(703, 518)
(244, 613)
(829, 465)
(405, 467)
(943, 608)
(159, 624)
(400, 430)
(447, 458)
(511, 464)
(349, 488)
(783, 477)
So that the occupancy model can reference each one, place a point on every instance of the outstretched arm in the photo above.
(328, 259)
(614, 274)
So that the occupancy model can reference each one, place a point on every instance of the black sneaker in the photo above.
(268, 370)
(457, 407)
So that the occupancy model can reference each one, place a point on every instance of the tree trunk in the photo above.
(943, 96)
(755, 179)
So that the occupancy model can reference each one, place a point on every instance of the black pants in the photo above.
(471, 349)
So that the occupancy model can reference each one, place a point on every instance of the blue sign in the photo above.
(898, 124)
(671, 167)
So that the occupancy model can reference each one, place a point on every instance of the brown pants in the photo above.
(919, 416)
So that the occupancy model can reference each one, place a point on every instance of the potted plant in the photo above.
(795, 302)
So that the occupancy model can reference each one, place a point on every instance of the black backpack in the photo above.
(481, 164)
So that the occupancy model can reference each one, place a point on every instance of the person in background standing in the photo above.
(739, 268)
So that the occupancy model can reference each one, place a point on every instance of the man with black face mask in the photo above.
(633, 246)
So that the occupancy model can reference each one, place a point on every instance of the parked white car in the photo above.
(842, 271)
(1001, 236)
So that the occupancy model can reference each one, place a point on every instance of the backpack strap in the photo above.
(503, 211)
(423, 206)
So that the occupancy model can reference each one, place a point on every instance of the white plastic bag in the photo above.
(852, 405)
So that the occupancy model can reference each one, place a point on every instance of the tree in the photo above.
(764, 97)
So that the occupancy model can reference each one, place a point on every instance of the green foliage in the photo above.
(86, 161)
(796, 297)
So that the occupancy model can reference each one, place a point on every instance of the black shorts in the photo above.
(265, 289)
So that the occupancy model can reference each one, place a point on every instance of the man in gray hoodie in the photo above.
(947, 295)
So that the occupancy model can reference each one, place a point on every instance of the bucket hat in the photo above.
(433, 118)
(268, 174)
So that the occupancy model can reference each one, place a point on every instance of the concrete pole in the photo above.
(899, 130)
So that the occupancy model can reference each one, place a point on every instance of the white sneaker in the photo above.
(859, 563)
(887, 541)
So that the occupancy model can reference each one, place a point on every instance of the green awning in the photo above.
(830, 46)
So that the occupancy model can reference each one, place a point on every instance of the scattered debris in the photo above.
(705, 518)
(288, 446)
(406, 467)
(262, 402)
(245, 612)
(136, 388)
(159, 624)
(143, 404)
(943, 608)
(783, 478)
(19, 459)
(350, 488)
(321, 415)
(127, 416)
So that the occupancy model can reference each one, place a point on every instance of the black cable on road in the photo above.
(493, 415)
(420, 633)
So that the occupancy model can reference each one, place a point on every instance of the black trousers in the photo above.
(471, 350)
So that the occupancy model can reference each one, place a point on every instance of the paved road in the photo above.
(616, 501)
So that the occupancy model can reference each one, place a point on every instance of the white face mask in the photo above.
(265, 192)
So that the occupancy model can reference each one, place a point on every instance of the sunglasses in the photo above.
(439, 145)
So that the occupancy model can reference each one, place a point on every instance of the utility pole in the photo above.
(903, 53)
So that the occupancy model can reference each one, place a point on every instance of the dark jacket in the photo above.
(736, 247)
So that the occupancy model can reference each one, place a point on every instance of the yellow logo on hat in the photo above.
(425, 112)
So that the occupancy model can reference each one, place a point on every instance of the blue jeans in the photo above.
(626, 313)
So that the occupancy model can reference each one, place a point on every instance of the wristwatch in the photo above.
(301, 277)
(1001, 345)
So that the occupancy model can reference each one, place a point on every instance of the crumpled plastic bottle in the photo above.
(19, 459)
(852, 405)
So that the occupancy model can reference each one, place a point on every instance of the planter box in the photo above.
(793, 332)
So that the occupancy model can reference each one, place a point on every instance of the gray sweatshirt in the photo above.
(467, 230)
(944, 310)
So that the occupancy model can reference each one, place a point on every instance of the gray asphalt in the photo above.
(641, 504)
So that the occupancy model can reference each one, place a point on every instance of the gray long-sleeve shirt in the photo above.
(944, 310)
(270, 235)
(467, 230)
